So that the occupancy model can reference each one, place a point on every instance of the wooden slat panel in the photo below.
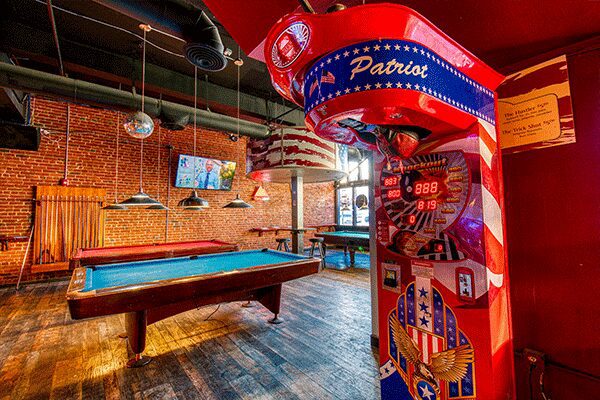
(67, 218)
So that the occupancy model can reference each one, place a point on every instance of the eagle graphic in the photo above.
(449, 365)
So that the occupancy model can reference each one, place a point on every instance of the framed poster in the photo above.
(534, 108)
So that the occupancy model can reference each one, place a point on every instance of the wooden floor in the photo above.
(321, 351)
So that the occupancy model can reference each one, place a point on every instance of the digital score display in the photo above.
(426, 188)
(391, 181)
(427, 205)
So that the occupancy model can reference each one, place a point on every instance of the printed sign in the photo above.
(534, 108)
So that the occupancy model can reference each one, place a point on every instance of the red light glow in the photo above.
(394, 194)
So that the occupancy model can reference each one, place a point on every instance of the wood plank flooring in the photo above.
(321, 351)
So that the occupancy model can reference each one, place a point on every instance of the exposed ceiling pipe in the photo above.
(33, 81)
(203, 48)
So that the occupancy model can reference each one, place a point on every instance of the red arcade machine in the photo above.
(382, 77)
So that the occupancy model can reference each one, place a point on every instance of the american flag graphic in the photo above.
(327, 77)
(433, 329)
(313, 86)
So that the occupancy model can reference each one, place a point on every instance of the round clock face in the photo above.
(423, 196)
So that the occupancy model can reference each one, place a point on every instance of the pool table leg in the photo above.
(352, 256)
(271, 299)
(135, 323)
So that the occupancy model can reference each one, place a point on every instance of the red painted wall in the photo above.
(553, 231)
(92, 163)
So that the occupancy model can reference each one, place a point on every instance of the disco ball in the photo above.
(139, 125)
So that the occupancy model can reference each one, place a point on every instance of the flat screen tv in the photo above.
(204, 173)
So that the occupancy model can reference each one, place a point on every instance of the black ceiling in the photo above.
(112, 56)
(99, 53)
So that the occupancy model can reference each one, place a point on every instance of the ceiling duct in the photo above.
(38, 82)
(203, 48)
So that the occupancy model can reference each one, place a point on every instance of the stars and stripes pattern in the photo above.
(432, 325)
(443, 81)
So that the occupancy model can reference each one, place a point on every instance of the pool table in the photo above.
(151, 290)
(113, 254)
(350, 240)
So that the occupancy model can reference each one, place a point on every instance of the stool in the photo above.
(319, 244)
(283, 244)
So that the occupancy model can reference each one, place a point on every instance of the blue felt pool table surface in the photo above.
(349, 234)
(133, 273)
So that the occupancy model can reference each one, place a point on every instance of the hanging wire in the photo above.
(238, 94)
(143, 91)
(118, 28)
(158, 164)
(117, 158)
(195, 111)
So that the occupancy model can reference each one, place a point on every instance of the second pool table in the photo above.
(151, 290)
(350, 240)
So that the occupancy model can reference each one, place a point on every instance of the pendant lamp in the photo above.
(237, 203)
(141, 199)
(193, 202)
(260, 194)
(115, 205)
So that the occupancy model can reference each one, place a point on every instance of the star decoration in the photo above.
(356, 88)
(417, 86)
(387, 46)
(415, 49)
(423, 292)
(367, 86)
(425, 393)
(376, 47)
(329, 96)
(378, 85)
(329, 61)
(396, 47)
(423, 307)
(424, 321)
(366, 49)
(337, 57)
(408, 86)
(338, 93)
(346, 53)
(428, 55)
(355, 51)
(322, 65)
(406, 48)
(346, 90)
(422, 52)
(398, 85)
(388, 84)
(423, 88)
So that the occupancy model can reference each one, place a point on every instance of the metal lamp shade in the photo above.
(140, 199)
(193, 202)
(115, 206)
(158, 207)
(237, 203)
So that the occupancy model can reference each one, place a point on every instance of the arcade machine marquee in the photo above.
(383, 78)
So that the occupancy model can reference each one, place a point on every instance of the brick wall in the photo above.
(92, 163)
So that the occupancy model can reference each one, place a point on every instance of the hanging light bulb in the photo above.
(139, 124)
(193, 202)
(237, 203)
